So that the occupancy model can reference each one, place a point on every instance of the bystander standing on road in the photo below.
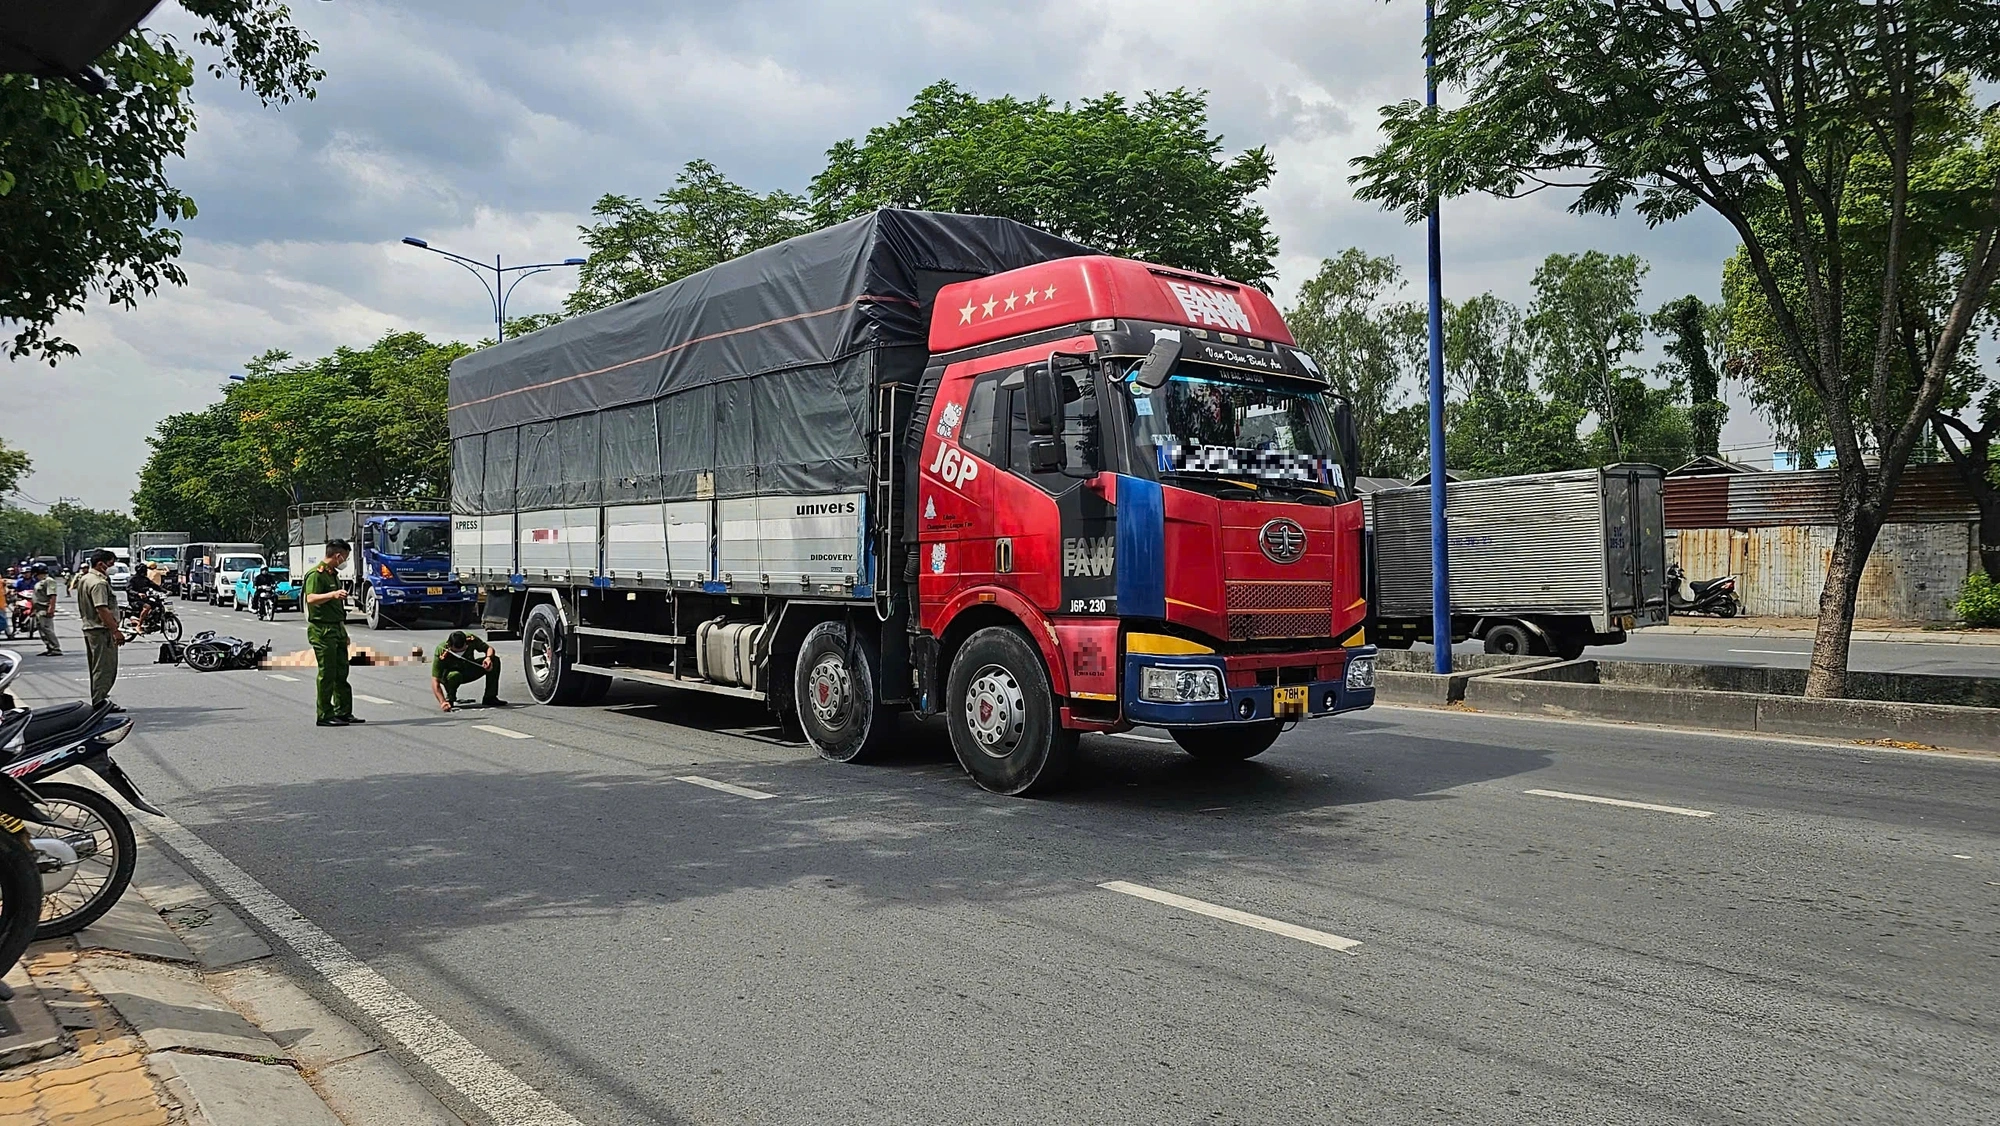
(98, 608)
(326, 630)
(461, 659)
(48, 589)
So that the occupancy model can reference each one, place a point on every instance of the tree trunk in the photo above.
(1989, 534)
(1852, 543)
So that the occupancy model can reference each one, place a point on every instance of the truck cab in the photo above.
(1163, 499)
(403, 565)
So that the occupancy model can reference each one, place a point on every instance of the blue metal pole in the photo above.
(1440, 564)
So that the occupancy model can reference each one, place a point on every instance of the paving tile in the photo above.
(171, 1007)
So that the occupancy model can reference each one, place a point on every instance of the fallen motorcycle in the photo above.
(208, 652)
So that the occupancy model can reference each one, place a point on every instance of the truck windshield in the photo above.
(236, 563)
(1206, 421)
(413, 537)
(166, 556)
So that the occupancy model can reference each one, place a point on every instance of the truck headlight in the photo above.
(1180, 684)
(1360, 672)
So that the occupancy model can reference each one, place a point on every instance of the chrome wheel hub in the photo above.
(56, 860)
(996, 712)
(829, 687)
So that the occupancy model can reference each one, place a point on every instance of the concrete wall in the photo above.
(1914, 573)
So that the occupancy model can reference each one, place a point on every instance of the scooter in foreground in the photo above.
(85, 849)
(20, 882)
(1710, 596)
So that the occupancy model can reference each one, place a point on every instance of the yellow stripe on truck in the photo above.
(1161, 645)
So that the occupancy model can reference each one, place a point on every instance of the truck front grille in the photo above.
(1261, 609)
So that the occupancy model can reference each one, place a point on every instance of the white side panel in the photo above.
(580, 536)
(635, 541)
(465, 545)
(790, 539)
(687, 539)
(556, 542)
(496, 544)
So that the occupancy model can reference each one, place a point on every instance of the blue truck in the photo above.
(401, 566)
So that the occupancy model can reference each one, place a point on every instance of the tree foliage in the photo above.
(86, 204)
(84, 528)
(14, 466)
(1347, 317)
(703, 220)
(1692, 331)
(1497, 424)
(24, 533)
(361, 422)
(1144, 179)
(1786, 120)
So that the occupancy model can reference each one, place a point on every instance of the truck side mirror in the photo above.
(1046, 455)
(1045, 400)
(1160, 359)
(1349, 438)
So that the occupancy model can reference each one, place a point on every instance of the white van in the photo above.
(229, 566)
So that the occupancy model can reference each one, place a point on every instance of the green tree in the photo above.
(89, 527)
(1496, 423)
(703, 220)
(1584, 322)
(1809, 113)
(24, 533)
(14, 466)
(1147, 179)
(1692, 332)
(86, 205)
(1347, 318)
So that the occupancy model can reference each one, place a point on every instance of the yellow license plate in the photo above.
(1286, 701)
(433, 590)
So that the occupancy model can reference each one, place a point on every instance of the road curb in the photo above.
(1916, 636)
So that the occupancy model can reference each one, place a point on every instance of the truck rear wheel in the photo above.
(551, 677)
(1002, 714)
(1233, 742)
(833, 686)
(1510, 640)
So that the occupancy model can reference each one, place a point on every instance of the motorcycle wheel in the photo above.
(1728, 608)
(204, 658)
(20, 897)
(101, 835)
(170, 625)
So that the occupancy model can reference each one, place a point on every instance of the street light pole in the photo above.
(499, 289)
(1440, 562)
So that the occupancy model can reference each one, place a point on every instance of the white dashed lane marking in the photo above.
(509, 733)
(282, 676)
(1232, 915)
(1622, 803)
(1139, 737)
(725, 787)
(375, 700)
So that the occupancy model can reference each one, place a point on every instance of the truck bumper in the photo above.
(453, 595)
(1351, 688)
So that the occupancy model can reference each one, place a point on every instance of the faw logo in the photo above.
(1087, 556)
(1205, 306)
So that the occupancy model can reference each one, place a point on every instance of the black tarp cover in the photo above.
(808, 301)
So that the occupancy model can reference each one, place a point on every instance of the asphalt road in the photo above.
(888, 944)
(1793, 652)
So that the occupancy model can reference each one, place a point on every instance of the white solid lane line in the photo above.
(1777, 652)
(511, 734)
(282, 676)
(1139, 737)
(1622, 803)
(482, 1080)
(725, 787)
(1232, 915)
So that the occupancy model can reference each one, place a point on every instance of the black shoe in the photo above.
(352, 719)
(335, 722)
(494, 703)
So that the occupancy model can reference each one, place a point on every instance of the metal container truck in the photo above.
(160, 549)
(400, 568)
(936, 463)
(1546, 563)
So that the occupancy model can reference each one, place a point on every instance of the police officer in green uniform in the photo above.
(48, 588)
(326, 630)
(98, 608)
(459, 660)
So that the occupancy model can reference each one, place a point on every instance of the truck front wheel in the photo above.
(1230, 743)
(833, 685)
(372, 609)
(551, 679)
(1002, 713)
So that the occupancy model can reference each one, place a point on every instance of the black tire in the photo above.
(99, 880)
(1728, 607)
(1569, 644)
(1233, 742)
(20, 897)
(203, 658)
(1509, 639)
(546, 664)
(372, 610)
(170, 624)
(836, 695)
(997, 681)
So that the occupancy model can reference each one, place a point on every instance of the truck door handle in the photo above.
(1003, 554)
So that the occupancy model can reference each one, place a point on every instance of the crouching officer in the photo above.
(461, 659)
(326, 630)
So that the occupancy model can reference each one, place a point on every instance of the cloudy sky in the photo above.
(491, 125)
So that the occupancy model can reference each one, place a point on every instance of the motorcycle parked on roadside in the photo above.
(20, 881)
(84, 848)
(1710, 596)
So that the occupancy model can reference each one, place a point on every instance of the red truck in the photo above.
(935, 463)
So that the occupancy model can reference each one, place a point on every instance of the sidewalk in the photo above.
(170, 1011)
(1804, 627)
